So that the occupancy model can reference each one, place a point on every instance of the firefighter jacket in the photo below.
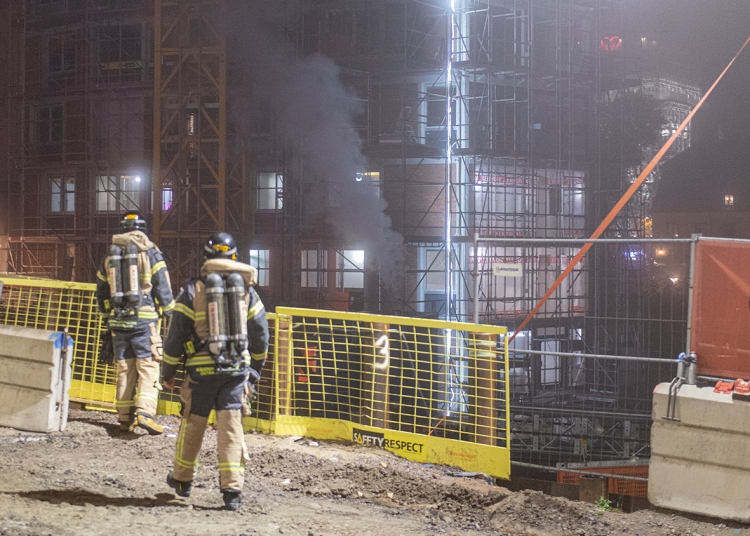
(188, 330)
(156, 288)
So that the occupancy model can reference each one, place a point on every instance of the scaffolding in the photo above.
(198, 180)
(486, 123)
(79, 121)
(478, 124)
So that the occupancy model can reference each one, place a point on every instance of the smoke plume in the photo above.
(312, 115)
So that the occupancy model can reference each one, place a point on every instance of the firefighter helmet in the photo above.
(133, 221)
(220, 246)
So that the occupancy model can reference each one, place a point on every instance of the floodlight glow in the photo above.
(137, 179)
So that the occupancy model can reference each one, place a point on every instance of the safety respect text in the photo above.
(364, 437)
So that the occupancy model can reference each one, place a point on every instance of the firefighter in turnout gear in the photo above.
(133, 290)
(219, 331)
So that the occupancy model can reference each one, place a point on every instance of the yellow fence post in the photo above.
(482, 374)
(284, 372)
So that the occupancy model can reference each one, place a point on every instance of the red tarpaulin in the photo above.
(720, 324)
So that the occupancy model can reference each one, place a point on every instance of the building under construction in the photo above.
(439, 158)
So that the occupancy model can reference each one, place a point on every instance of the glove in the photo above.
(168, 383)
(249, 394)
(253, 376)
(106, 350)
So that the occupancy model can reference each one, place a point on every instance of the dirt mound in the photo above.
(92, 479)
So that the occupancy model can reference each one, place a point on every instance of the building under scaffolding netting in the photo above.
(467, 145)
(487, 127)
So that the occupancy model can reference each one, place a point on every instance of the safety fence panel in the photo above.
(60, 306)
(264, 406)
(427, 390)
(720, 314)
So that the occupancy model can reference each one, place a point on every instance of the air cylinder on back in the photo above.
(131, 280)
(114, 276)
(237, 308)
(217, 321)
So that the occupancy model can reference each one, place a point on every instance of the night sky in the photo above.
(695, 41)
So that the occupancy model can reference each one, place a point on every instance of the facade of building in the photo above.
(675, 101)
(79, 100)
(412, 157)
(108, 118)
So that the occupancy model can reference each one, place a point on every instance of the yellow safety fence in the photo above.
(58, 306)
(428, 390)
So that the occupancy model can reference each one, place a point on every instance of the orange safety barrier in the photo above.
(616, 486)
(720, 321)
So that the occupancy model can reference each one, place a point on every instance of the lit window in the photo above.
(117, 193)
(371, 179)
(314, 264)
(260, 259)
(166, 199)
(270, 191)
(190, 124)
(729, 200)
(350, 266)
(63, 194)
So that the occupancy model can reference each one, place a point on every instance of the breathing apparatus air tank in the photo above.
(131, 279)
(237, 307)
(217, 321)
(114, 276)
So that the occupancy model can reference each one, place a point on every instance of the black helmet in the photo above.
(220, 246)
(133, 221)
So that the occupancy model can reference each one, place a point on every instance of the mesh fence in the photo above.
(582, 378)
(428, 390)
(368, 378)
(61, 306)
(64, 306)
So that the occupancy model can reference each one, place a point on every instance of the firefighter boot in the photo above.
(232, 499)
(147, 422)
(127, 425)
(180, 488)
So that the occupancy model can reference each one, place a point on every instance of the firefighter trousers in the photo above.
(138, 357)
(224, 394)
(136, 387)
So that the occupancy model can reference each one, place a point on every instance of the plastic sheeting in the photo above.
(720, 323)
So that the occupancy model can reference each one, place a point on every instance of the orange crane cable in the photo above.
(624, 199)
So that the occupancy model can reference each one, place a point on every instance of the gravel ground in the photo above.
(92, 479)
